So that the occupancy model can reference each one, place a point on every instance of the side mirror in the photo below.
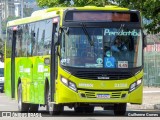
(58, 51)
(56, 38)
(144, 40)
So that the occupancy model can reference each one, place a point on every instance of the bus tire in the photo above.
(56, 109)
(22, 107)
(2, 91)
(89, 109)
(33, 108)
(79, 109)
(53, 109)
(47, 96)
(120, 109)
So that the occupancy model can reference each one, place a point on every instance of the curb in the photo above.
(157, 106)
(151, 91)
(144, 106)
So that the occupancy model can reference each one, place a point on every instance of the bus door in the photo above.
(38, 61)
(13, 53)
(22, 60)
(35, 64)
(54, 61)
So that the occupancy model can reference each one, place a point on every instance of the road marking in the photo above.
(4, 105)
(2, 96)
(151, 91)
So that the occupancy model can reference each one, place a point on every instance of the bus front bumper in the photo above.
(66, 95)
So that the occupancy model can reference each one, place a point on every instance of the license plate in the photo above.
(103, 96)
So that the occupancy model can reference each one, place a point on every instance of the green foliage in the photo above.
(51, 3)
(1, 46)
(4, 22)
(28, 12)
(79, 3)
(150, 9)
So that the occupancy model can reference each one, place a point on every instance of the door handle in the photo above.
(46, 61)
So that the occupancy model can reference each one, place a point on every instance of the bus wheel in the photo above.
(89, 109)
(79, 109)
(1, 91)
(53, 109)
(22, 107)
(120, 109)
(33, 108)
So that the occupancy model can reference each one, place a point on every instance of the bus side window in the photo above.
(36, 36)
(33, 42)
(25, 36)
(9, 42)
(48, 37)
(19, 43)
(41, 37)
(29, 34)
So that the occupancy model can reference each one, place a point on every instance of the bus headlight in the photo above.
(64, 81)
(69, 84)
(134, 85)
(72, 86)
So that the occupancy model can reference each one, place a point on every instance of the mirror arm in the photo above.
(144, 40)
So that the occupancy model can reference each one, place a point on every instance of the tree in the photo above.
(4, 22)
(1, 49)
(55, 3)
(149, 8)
(27, 11)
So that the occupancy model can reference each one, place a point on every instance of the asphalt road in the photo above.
(7, 104)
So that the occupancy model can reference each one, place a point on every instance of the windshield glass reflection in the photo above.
(112, 48)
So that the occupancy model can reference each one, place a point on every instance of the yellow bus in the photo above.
(80, 57)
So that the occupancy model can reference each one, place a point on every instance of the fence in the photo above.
(152, 68)
(152, 61)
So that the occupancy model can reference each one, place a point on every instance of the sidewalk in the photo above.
(151, 99)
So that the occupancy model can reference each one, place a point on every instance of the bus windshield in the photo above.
(112, 48)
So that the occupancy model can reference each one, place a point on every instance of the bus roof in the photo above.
(53, 12)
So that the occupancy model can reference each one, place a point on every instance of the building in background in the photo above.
(17, 5)
(24, 8)
(16, 8)
(7, 8)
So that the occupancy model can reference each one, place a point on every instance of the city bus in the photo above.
(68, 56)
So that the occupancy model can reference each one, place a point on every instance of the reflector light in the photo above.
(55, 20)
(15, 28)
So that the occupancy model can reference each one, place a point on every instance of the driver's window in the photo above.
(63, 45)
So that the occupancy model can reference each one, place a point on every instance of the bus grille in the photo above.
(116, 95)
(93, 95)
(96, 75)
(90, 94)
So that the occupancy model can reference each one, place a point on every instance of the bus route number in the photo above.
(122, 64)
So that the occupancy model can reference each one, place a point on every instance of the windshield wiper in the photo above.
(66, 30)
(119, 30)
(87, 34)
